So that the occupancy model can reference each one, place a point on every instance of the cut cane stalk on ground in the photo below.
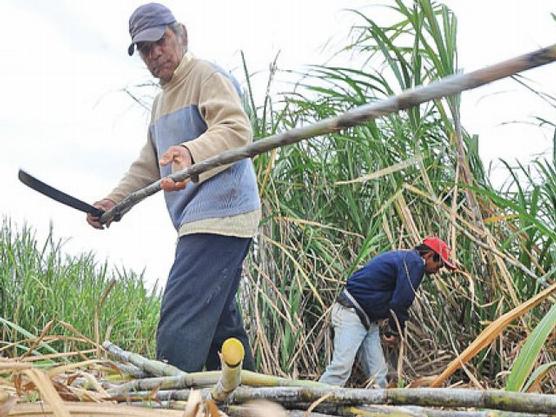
(297, 397)
(230, 376)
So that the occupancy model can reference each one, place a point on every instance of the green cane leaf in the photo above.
(529, 353)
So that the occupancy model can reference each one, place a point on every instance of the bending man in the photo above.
(383, 289)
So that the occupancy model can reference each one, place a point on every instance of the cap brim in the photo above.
(449, 265)
(147, 35)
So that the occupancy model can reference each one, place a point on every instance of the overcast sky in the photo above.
(65, 119)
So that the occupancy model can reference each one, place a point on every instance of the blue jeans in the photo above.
(351, 338)
(199, 310)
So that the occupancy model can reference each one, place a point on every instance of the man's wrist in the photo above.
(194, 178)
(189, 152)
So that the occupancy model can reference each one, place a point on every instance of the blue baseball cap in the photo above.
(148, 23)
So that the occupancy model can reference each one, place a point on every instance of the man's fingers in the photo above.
(168, 184)
(390, 340)
(165, 160)
(171, 155)
(94, 221)
(181, 184)
(105, 204)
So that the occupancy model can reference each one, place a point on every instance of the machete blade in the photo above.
(57, 195)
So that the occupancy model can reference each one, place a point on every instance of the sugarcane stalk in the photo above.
(162, 395)
(293, 397)
(150, 366)
(445, 87)
(268, 409)
(439, 397)
(173, 378)
(88, 409)
(208, 378)
(381, 411)
(169, 405)
(428, 412)
(231, 360)
(242, 411)
(129, 369)
(255, 379)
(193, 379)
(300, 413)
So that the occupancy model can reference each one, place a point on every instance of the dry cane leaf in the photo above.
(47, 391)
(491, 332)
(212, 409)
(316, 403)
(262, 408)
(194, 407)
(7, 401)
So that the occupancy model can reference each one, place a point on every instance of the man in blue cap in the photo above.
(198, 114)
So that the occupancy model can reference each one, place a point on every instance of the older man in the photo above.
(383, 289)
(198, 114)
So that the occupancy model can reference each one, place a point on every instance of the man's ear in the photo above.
(428, 255)
(183, 35)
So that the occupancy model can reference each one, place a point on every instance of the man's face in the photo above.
(163, 56)
(432, 266)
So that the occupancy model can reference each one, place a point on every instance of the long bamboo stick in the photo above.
(445, 87)
(294, 397)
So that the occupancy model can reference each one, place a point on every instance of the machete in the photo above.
(57, 195)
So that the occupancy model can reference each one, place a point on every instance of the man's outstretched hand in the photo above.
(390, 340)
(104, 204)
(180, 158)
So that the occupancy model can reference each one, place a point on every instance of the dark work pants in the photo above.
(199, 309)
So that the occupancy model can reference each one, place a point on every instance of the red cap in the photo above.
(441, 248)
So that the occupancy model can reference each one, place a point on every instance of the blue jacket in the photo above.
(388, 282)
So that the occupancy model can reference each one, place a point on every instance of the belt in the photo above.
(346, 299)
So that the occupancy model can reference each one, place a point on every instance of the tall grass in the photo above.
(39, 283)
(323, 219)
(333, 202)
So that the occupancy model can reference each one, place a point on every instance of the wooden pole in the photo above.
(445, 87)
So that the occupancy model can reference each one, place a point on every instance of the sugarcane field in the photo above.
(279, 209)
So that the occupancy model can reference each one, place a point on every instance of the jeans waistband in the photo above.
(346, 299)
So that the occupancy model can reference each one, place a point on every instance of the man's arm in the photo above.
(227, 124)
(408, 279)
(141, 173)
